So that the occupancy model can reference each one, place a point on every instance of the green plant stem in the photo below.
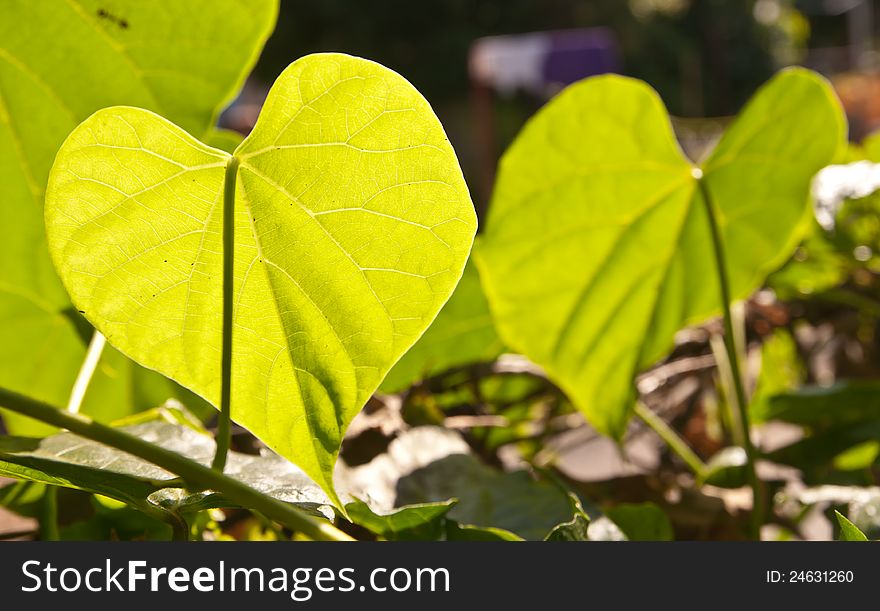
(670, 437)
(725, 379)
(757, 518)
(179, 528)
(86, 372)
(49, 507)
(223, 424)
(49, 515)
(195, 474)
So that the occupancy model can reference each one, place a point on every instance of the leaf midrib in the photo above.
(563, 332)
(308, 418)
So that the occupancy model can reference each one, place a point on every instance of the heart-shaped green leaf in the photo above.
(352, 227)
(60, 61)
(598, 246)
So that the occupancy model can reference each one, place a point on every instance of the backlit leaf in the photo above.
(848, 530)
(60, 61)
(597, 248)
(352, 227)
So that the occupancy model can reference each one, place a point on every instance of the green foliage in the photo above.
(848, 530)
(641, 522)
(23, 498)
(781, 371)
(463, 333)
(352, 227)
(840, 265)
(576, 529)
(412, 522)
(846, 402)
(469, 532)
(112, 520)
(514, 501)
(816, 266)
(726, 469)
(858, 457)
(842, 425)
(350, 231)
(597, 177)
(820, 448)
(60, 61)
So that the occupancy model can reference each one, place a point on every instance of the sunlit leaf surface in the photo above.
(60, 61)
(597, 248)
(352, 227)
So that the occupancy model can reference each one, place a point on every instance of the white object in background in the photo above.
(509, 63)
(836, 183)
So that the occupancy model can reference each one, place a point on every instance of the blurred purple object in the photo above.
(577, 54)
(542, 62)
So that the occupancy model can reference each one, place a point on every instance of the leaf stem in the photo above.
(49, 515)
(179, 527)
(86, 372)
(192, 472)
(670, 437)
(757, 517)
(49, 504)
(223, 424)
(725, 388)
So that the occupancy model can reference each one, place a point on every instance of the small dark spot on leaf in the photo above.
(81, 311)
(119, 21)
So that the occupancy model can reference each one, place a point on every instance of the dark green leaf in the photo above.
(576, 529)
(429, 464)
(817, 406)
(726, 469)
(642, 522)
(823, 447)
(469, 532)
(412, 522)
